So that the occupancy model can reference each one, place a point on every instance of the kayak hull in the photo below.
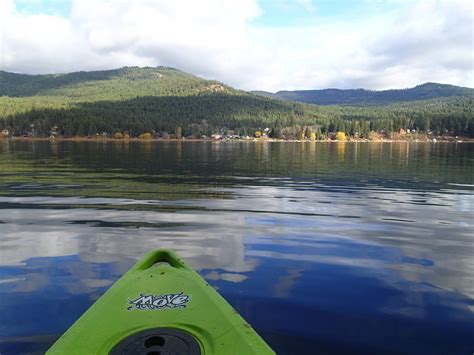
(161, 294)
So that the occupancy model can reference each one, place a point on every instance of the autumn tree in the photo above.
(302, 134)
(341, 136)
(178, 132)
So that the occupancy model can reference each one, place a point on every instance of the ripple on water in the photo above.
(343, 251)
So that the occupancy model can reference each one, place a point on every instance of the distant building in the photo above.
(54, 131)
(5, 132)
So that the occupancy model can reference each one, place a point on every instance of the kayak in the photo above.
(161, 306)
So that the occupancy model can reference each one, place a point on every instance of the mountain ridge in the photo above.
(360, 96)
(156, 80)
(21, 85)
(162, 99)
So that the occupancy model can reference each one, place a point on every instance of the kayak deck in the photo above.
(160, 306)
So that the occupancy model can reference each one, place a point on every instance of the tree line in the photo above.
(208, 113)
(135, 101)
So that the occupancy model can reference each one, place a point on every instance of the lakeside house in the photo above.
(54, 132)
(5, 132)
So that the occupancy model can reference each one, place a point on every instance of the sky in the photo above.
(249, 44)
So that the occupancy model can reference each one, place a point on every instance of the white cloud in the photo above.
(218, 39)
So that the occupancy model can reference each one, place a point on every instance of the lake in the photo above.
(325, 248)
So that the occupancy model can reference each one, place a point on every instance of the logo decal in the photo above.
(153, 302)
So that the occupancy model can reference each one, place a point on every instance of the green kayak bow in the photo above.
(160, 306)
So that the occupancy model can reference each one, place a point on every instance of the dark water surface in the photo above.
(325, 248)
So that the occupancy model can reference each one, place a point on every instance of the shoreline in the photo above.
(253, 140)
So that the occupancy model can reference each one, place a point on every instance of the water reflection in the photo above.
(342, 248)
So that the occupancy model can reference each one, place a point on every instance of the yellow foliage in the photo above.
(126, 136)
(302, 135)
(145, 136)
(258, 134)
(118, 135)
(312, 136)
(340, 136)
(178, 132)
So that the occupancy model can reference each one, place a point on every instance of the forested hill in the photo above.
(128, 82)
(164, 100)
(362, 97)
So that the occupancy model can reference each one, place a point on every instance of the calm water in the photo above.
(325, 248)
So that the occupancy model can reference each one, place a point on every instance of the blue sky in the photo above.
(298, 13)
(50, 7)
(250, 44)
